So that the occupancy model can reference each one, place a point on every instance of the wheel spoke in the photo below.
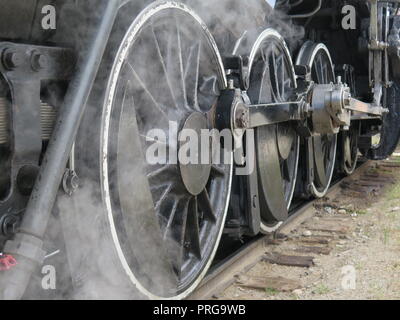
(322, 69)
(163, 197)
(192, 76)
(209, 84)
(164, 68)
(175, 236)
(150, 66)
(192, 230)
(320, 161)
(286, 171)
(206, 207)
(265, 94)
(275, 83)
(171, 218)
(217, 171)
(282, 80)
(161, 171)
(147, 96)
(181, 68)
(347, 151)
(317, 71)
(172, 56)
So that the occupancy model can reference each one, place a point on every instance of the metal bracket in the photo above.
(26, 246)
(239, 70)
(24, 67)
(379, 47)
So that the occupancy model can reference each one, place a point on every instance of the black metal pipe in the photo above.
(34, 223)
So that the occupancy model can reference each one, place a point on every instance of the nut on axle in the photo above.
(329, 103)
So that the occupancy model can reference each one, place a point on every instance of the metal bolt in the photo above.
(10, 225)
(70, 182)
(255, 199)
(38, 61)
(12, 59)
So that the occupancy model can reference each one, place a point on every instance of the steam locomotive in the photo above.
(295, 90)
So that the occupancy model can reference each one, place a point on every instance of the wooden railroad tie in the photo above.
(290, 261)
(317, 250)
(268, 283)
(330, 229)
(315, 240)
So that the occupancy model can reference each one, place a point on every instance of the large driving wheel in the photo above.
(322, 149)
(149, 227)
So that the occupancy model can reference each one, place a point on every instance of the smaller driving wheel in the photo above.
(322, 148)
(272, 80)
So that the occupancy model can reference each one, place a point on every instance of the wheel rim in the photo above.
(153, 202)
(317, 57)
(272, 79)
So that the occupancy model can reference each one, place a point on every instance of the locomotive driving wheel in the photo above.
(322, 148)
(272, 80)
(153, 225)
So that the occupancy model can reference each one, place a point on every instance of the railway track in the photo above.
(226, 272)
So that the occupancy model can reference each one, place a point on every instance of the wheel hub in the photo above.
(195, 175)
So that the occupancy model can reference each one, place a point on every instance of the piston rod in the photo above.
(367, 108)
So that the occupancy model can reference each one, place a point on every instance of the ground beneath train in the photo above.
(357, 235)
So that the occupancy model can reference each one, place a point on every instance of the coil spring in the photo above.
(48, 118)
(3, 121)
